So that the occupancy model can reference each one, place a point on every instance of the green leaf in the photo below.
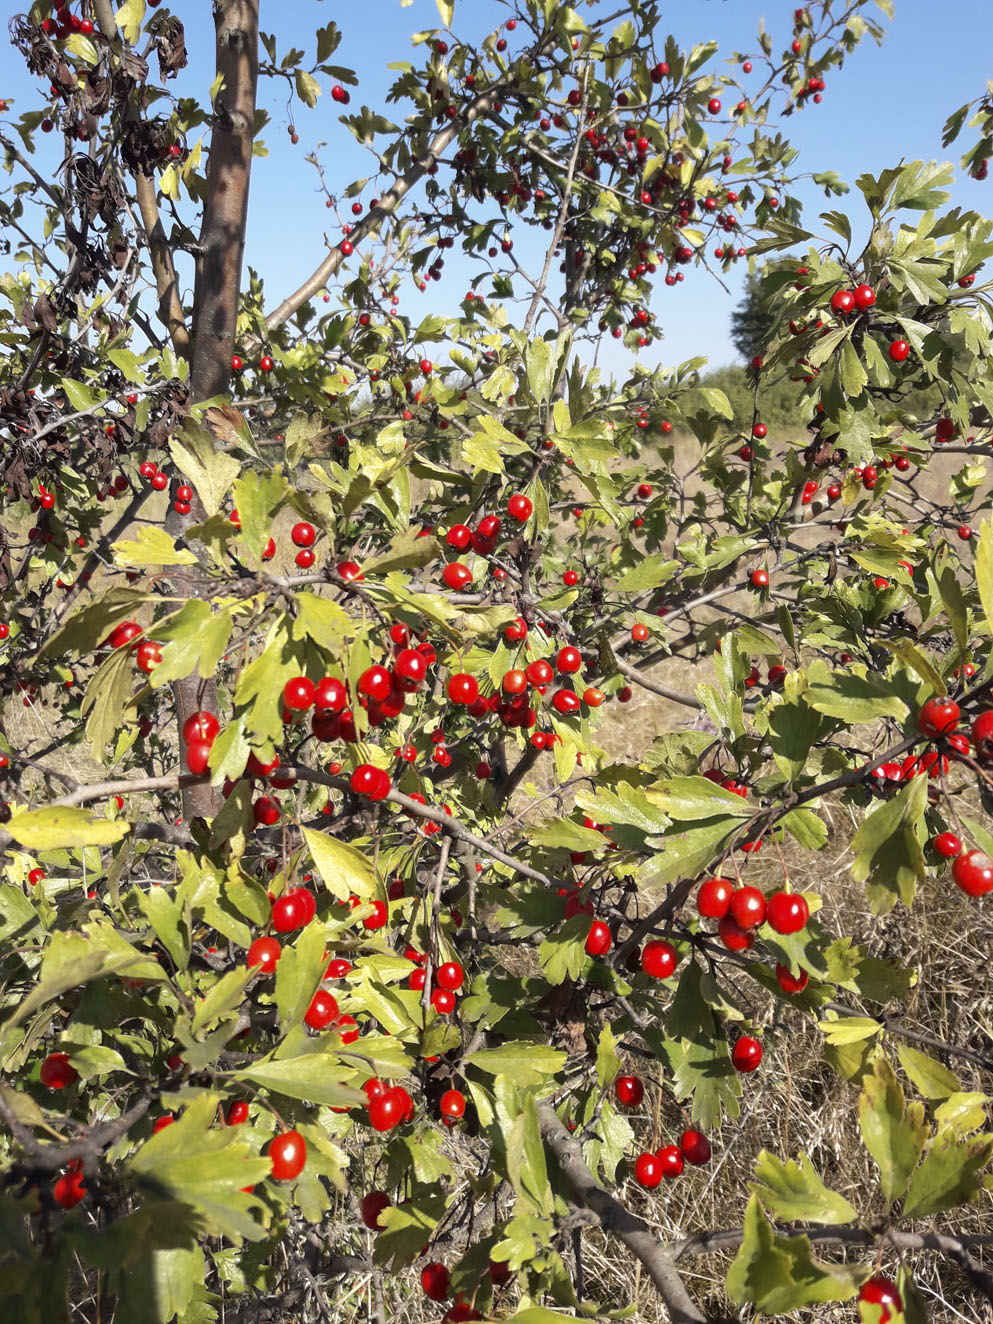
(408, 551)
(912, 657)
(540, 362)
(60, 828)
(894, 1133)
(106, 700)
(849, 1029)
(89, 627)
(153, 546)
(298, 974)
(702, 1069)
(887, 851)
(566, 834)
(205, 1166)
(257, 498)
(685, 799)
(526, 1167)
(686, 850)
(210, 471)
(342, 867)
(856, 699)
(307, 86)
(949, 1175)
(194, 640)
(524, 1062)
(408, 1227)
(314, 1077)
(176, 1274)
(795, 1193)
(984, 570)
(934, 1080)
(223, 998)
(650, 572)
(608, 1062)
(853, 376)
(779, 1274)
(165, 914)
(562, 954)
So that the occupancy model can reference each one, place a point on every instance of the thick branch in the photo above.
(225, 212)
(613, 1217)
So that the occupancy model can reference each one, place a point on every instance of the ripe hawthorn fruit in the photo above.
(288, 1154)
(629, 1091)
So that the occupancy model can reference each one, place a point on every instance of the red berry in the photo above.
(947, 845)
(629, 1090)
(671, 1159)
(748, 907)
(323, 1010)
(303, 534)
(973, 872)
(298, 694)
(372, 1206)
(733, 936)
(714, 898)
(982, 736)
(899, 350)
(288, 1154)
(842, 302)
(939, 717)
(264, 953)
(787, 912)
(57, 1072)
(520, 507)
(463, 688)
(450, 976)
(389, 1109)
(648, 1171)
(789, 982)
(434, 1281)
(69, 1190)
(237, 1113)
(746, 1054)
(864, 296)
(451, 1105)
(696, 1147)
(659, 959)
(456, 576)
(598, 940)
(881, 1291)
(291, 911)
(759, 578)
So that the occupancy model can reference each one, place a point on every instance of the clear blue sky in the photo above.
(887, 103)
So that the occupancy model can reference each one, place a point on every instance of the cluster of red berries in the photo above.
(651, 1166)
(740, 911)
(938, 719)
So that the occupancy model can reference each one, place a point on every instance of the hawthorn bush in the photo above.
(345, 968)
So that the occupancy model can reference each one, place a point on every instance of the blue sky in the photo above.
(887, 103)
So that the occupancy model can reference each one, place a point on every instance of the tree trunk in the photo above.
(218, 280)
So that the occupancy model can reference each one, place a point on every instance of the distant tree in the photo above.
(752, 322)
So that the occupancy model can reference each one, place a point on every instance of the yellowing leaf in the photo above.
(343, 869)
(210, 471)
(63, 827)
(129, 19)
(153, 546)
